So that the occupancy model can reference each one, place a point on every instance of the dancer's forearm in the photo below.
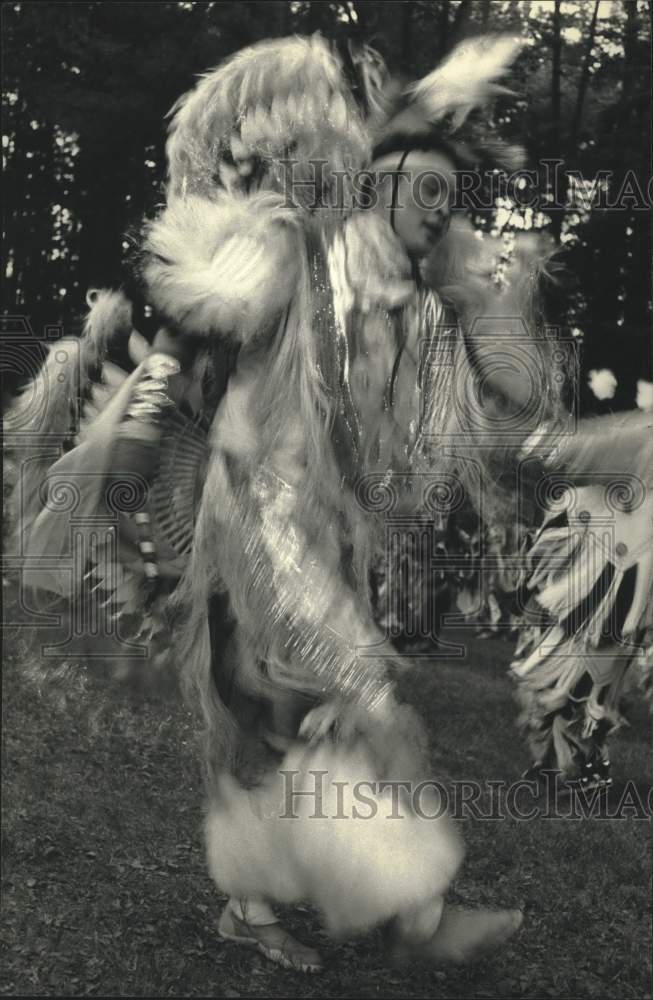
(511, 368)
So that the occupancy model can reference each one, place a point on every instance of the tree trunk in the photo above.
(630, 44)
(283, 17)
(584, 80)
(443, 28)
(407, 37)
(314, 16)
(459, 21)
(101, 211)
(555, 74)
(558, 215)
(633, 279)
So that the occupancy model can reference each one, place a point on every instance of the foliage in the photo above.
(87, 87)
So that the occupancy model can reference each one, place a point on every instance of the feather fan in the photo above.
(466, 79)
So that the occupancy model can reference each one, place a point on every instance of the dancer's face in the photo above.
(425, 195)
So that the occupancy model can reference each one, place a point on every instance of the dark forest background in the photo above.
(86, 87)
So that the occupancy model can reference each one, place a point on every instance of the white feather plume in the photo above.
(466, 79)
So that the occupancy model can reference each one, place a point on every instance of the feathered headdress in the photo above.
(277, 101)
(429, 113)
(296, 99)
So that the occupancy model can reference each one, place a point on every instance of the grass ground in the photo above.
(106, 892)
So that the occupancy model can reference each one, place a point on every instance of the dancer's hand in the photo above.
(344, 720)
(320, 721)
(385, 711)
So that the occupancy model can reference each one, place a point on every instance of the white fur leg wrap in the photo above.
(358, 870)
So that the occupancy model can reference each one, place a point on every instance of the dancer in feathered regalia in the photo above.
(299, 334)
(590, 574)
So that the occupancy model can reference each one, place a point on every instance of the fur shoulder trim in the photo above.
(226, 266)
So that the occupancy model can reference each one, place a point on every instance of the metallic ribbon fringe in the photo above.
(292, 606)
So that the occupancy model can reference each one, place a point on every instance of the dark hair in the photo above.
(426, 141)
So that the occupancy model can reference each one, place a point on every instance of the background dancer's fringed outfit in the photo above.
(590, 578)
